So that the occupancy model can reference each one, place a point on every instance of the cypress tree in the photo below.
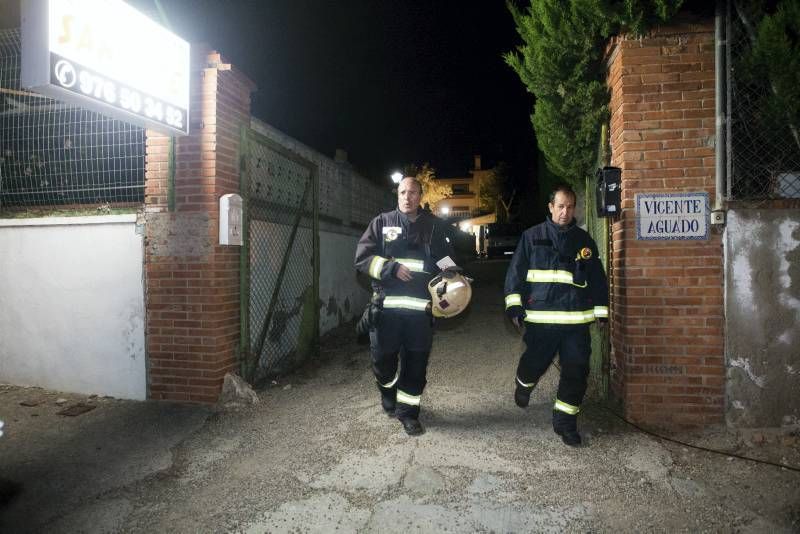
(561, 63)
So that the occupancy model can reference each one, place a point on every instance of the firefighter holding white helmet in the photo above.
(400, 250)
(450, 293)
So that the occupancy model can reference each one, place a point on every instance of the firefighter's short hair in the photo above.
(563, 188)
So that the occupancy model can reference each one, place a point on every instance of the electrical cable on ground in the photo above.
(698, 447)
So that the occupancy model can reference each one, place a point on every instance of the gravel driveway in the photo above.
(316, 454)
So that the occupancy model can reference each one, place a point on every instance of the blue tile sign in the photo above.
(672, 216)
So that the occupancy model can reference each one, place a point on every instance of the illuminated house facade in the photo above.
(464, 202)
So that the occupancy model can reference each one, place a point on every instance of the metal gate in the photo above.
(600, 230)
(280, 257)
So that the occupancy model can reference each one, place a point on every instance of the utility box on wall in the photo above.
(230, 219)
(608, 191)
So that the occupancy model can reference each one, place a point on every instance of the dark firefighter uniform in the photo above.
(557, 285)
(390, 240)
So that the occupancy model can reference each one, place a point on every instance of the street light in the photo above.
(397, 177)
(445, 210)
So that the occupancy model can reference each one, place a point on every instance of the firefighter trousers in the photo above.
(573, 345)
(400, 346)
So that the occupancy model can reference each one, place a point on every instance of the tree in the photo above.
(561, 63)
(432, 190)
(497, 193)
(773, 61)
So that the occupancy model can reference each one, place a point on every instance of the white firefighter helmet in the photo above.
(450, 294)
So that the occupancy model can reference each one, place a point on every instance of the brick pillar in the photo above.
(667, 302)
(193, 282)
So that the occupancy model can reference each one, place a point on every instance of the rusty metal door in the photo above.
(280, 257)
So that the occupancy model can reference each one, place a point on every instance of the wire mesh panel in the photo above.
(763, 105)
(368, 200)
(344, 195)
(282, 296)
(57, 154)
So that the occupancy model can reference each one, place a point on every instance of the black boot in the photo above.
(409, 417)
(522, 395)
(388, 405)
(570, 437)
(412, 426)
(566, 426)
(388, 400)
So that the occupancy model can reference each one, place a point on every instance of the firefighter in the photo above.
(399, 251)
(556, 285)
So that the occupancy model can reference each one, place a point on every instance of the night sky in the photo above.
(392, 82)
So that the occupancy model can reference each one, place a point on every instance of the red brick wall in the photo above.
(667, 301)
(192, 282)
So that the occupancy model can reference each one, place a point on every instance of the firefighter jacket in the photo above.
(391, 240)
(556, 277)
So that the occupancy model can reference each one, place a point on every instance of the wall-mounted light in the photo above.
(397, 176)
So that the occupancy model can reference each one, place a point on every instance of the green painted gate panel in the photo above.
(599, 228)
(280, 261)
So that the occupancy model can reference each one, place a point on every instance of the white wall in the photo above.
(72, 305)
(762, 314)
(342, 296)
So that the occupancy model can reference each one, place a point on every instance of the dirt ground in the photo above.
(316, 454)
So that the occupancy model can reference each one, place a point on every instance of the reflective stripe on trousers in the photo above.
(561, 406)
(525, 385)
(405, 398)
(392, 383)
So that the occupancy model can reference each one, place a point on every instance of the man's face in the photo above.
(562, 208)
(408, 196)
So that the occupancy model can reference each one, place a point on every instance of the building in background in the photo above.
(465, 201)
(463, 207)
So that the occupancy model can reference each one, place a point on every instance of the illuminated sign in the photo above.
(668, 216)
(106, 56)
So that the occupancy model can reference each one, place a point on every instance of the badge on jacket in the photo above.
(584, 254)
(390, 233)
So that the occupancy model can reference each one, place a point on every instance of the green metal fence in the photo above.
(598, 227)
(280, 257)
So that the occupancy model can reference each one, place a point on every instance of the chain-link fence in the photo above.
(54, 154)
(291, 194)
(763, 100)
(281, 256)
